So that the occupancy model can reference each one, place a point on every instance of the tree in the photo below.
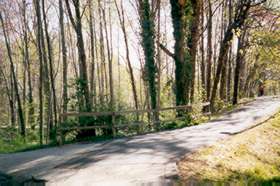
(209, 51)
(241, 14)
(28, 66)
(193, 40)
(92, 54)
(64, 59)
(83, 89)
(202, 51)
(51, 73)
(181, 56)
(41, 71)
(14, 78)
(240, 56)
(148, 45)
(123, 27)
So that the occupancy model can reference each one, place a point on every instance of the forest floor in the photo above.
(252, 156)
(145, 159)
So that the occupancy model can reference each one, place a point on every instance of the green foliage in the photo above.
(11, 141)
(80, 93)
(264, 55)
(177, 124)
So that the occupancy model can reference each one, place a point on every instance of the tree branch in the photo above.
(168, 52)
(70, 14)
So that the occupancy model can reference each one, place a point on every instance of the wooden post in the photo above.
(113, 124)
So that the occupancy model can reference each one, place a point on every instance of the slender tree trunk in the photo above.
(64, 60)
(202, 65)
(236, 74)
(46, 81)
(110, 66)
(41, 71)
(239, 58)
(159, 62)
(51, 74)
(102, 57)
(193, 41)
(24, 69)
(14, 78)
(92, 54)
(30, 117)
(229, 75)
(96, 76)
(85, 104)
(224, 68)
(229, 79)
(123, 27)
(209, 51)
(240, 17)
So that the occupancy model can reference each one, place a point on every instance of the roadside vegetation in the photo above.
(253, 156)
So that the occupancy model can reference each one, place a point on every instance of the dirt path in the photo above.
(138, 160)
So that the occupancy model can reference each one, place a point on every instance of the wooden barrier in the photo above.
(120, 113)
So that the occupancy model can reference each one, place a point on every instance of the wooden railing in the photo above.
(115, 126)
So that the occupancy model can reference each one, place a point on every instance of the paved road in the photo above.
(148, 159)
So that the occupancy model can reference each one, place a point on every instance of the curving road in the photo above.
(141, 160)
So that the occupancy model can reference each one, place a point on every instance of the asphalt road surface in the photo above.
(141, 160)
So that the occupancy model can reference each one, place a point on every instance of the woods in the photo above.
(83, 56)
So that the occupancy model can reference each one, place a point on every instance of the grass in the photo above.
(253, 156)
(18, 145)
(11, 141)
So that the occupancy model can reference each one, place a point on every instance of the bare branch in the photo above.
(168, 52)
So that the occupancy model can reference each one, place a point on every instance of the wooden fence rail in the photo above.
(113, 125)
(125, 112)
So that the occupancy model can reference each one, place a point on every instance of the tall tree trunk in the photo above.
(24, 69)
(109, 54)
(92, 54)
(13, 101)
(102, 51)
(209, 51)
(51, 74)
(229, 79)
(159, 56)
(240, 17)
(46, 81)
(41, 71)
(123, 27)
(202, 65)
(102, 57)
(85, 104)
(224, 68)
(148, 44)
(110, 66)
(14, 78)
(229, 75)
(193, 41)
(182, 66)
(64, 60)
(30, 117)
(239, 58)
